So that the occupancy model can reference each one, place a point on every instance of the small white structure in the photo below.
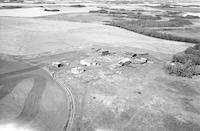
(65, 62)
(140, 60)
(172, 64)
(77, 70)
(88, 62)
(57, 64)
(85, 62)
(125, 60)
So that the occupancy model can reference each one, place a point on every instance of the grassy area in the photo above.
(119, 13)
(176, 22)
(185, 64)
(139, 22)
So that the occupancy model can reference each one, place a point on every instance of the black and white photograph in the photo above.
(99, 65)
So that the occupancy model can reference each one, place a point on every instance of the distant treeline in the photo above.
(152, 33)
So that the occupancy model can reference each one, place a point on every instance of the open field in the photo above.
(33, 36)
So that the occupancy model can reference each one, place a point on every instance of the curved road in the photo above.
(69, 123)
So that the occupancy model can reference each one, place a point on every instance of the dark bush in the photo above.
(99, 11)
(11, 7)
(197, 70)
(181, 58)
(192, 50)
(184, 70)
(77, 5)
(191, 17)
(185, 64)
(52, 10)
(197, 47)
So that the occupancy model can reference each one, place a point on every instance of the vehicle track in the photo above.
(69, 122)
